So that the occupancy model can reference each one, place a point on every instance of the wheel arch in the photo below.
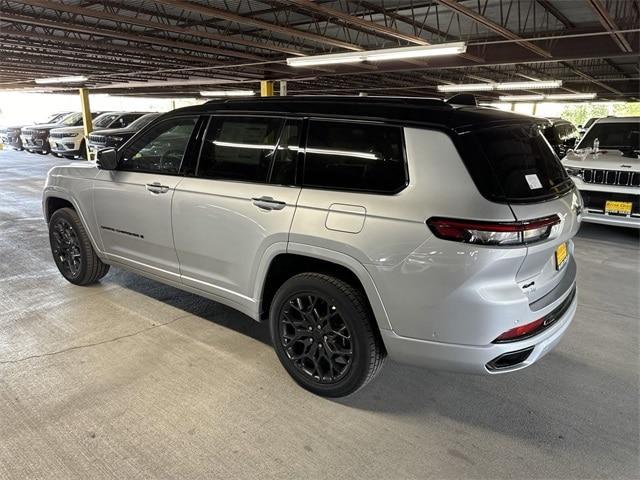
(304, 258)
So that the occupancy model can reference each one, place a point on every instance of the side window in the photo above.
(125, 120)
(159, 150)
(240, 148)
(355, 156)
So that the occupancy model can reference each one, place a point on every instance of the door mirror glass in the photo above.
(107, 159)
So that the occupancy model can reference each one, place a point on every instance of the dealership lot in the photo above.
(130, 378)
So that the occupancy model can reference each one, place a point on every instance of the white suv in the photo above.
(69, 142)
(437, 234)
(606, 168)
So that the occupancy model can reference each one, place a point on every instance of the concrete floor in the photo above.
(133, 379)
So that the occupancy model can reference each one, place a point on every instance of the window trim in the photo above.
(284, 118)
(149, 126)
(309, 120)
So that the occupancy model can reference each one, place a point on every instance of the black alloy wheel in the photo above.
(324, 334)
(72, 250)
(65, 246)
(316, 338)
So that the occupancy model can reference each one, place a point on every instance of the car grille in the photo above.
(27, 131)
(58, 135)
(610, 177)
(99, 139)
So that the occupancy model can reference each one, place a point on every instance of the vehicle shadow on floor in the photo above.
(620, 235)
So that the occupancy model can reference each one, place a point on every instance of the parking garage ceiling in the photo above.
(180, 47)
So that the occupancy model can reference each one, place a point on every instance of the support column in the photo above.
(266, 88)
(86, 118)
(283, 88)
(535, 108)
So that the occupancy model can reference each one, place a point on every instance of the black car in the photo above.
(562, 135)
(114, 137)
(10, 136)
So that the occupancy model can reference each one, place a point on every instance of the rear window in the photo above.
(355, 156)
(514, 163)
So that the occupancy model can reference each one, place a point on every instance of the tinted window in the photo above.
(514, 163)
(143, 121)
(613, 135)
(355, 156)
(105, 120)
(240, 148)
(161, 148)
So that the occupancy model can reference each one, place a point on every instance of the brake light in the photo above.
(494, 233)
(521, 331)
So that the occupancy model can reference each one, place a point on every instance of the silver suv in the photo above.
(436, 234)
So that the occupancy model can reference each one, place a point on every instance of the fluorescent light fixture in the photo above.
(571, 96)
(466, 87)
(227, 93)
(331, 59)
(521, 98)
(484, 87)
(529, 85)
(73, 79)
(380, 55)
(416, 52)
(538, 98)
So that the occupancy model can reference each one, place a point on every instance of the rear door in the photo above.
(239, 203)
(133, 203)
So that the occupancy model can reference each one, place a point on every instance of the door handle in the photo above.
(157, 187)
(268, 203)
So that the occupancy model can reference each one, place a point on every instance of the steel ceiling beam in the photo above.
(493, 26)
(254, 22)
(102, 15)
(610, 25)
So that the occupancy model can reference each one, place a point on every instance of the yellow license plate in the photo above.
(623, 208)
(561, 255)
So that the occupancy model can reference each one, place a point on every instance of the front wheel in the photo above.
(324, 335)
(72, 250)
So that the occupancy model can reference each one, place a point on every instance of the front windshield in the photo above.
(71, 120)
(105, 120)
(618, 135)
(56, 118)
(143, 120)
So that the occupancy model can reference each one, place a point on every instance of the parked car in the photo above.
(582, 129)
(561, 134)
(357, 227)
(69, 142)
(11, 136)
(606, 169)
(35, 138)
(114, 137)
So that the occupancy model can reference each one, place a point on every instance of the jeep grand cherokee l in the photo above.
(114, 137)
(35, 138)
(69, 142)
(436, 234)
(606, 168)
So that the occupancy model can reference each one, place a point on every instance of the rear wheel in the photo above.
(324, 336)
(72, 250)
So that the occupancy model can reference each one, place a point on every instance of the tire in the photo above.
(72, 250)
(343, 352)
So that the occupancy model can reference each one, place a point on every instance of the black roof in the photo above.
(403, 110)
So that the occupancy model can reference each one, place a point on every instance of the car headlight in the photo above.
(574, 171)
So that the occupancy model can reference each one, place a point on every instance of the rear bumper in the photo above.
(475, 359)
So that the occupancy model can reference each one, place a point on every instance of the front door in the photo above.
(133, 203)
(240, 203)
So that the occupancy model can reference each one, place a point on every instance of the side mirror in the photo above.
(107, 159)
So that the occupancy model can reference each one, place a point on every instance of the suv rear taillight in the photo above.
(494, 233)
